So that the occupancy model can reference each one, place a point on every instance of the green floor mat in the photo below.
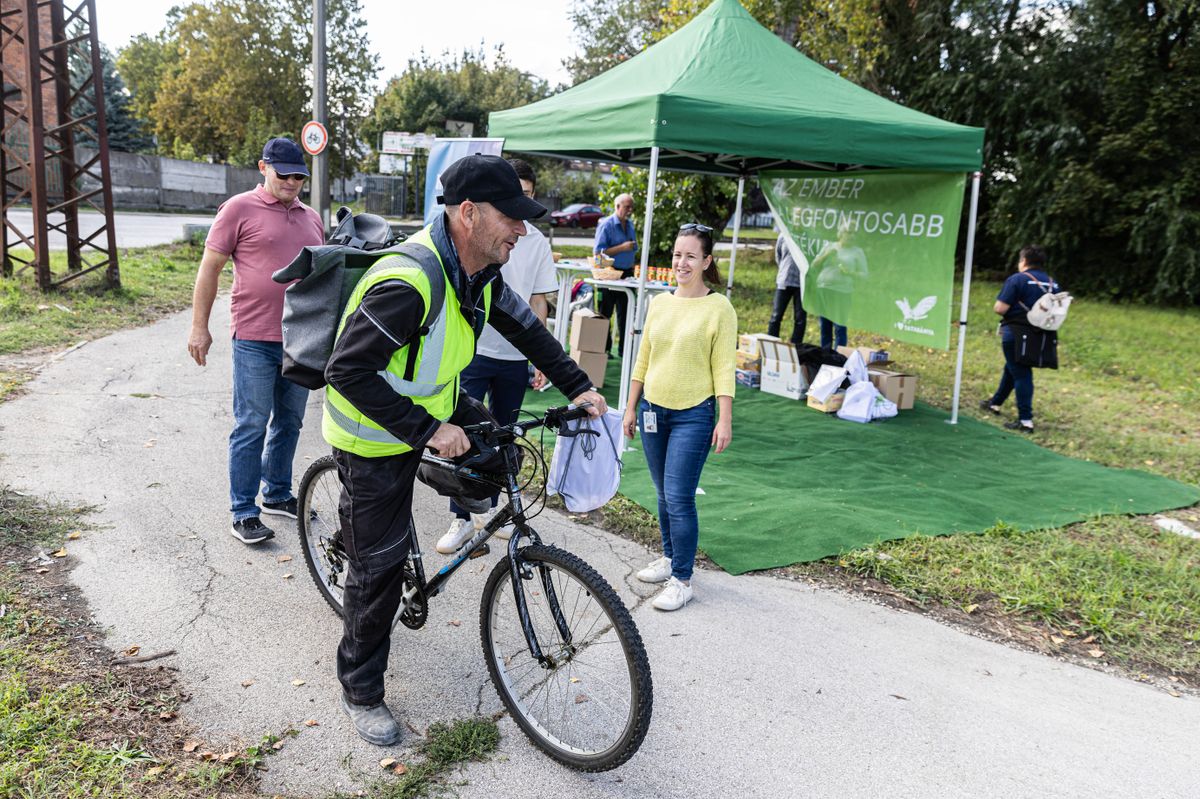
(797, 485)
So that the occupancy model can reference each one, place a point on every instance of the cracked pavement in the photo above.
(762, 686)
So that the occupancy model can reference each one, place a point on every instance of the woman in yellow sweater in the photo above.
(686, 366)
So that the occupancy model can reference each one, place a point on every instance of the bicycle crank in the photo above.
(414, 607)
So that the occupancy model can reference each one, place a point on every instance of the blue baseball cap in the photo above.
(286, 156)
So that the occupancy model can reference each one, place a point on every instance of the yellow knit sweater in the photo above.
(687, 351)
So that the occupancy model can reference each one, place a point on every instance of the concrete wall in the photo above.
(157, 183)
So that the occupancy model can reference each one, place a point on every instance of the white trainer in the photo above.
(657, 572)
(481, 520)
(460, 532)
(674, 596)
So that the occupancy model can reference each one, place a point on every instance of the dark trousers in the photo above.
(504, 384)
(377, 531)
(779, 307)
(1018, 377)
(832, 334)
(610, 302)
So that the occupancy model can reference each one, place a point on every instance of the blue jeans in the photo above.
(832, 334)
(676, 455)
(262, 395)
(504, 383)
(1017, 377)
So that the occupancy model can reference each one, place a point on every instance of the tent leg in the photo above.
(737, 226)
(629, 348)
(966, 295)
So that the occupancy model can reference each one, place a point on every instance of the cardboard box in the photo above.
(748, 342)
(748, 379)
(831, 405)
(749, 361)
(594, 363)
(589, 331)
(781, 371)
(899, 387)
(869, 355)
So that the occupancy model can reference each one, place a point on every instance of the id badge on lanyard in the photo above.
(649, 422)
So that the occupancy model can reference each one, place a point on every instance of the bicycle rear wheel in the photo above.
(321, 530)
(589, 706)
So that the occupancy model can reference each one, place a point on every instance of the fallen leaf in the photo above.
(1070, 633)
(1088, 640)
(580, 698)
(166, 715)
(152, 773)
(150, 442)
(73, 535)
(1149, 463)
(1058, 640)
(897, 696)
(454, 623)
(247, 683)
(131, 651)
(277, 745)
(1174, 693)
(283, 558)
(1173, 678)
(971, 608)
(62, 553)
(387, 762)
(312, 723)
(574, 679)
(227, 756)
(1096, 653)
(297, 683)
(42, 570)
(191, 745)
(287, 576)
(400, 769)
(207, 756)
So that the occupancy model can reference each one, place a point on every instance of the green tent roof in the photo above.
(724, 95)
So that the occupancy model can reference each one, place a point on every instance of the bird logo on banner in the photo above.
(919, 312)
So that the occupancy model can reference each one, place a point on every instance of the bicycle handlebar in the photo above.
(485, 437)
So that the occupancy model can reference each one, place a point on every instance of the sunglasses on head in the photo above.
(695, 226)
(294, 176)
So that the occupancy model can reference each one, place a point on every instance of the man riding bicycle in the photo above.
(408, 330)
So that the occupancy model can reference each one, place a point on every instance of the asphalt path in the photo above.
(132, 229)
(763, 687)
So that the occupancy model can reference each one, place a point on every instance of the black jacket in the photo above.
(364, 347)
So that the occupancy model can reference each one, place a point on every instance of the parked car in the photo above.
(577, 215)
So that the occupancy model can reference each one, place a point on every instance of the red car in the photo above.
(577, 215)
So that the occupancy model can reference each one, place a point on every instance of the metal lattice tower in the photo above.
(42, 116)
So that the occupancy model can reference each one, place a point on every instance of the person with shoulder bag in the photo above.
(1026, 343)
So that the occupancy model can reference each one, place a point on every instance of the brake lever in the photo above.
(484, 451)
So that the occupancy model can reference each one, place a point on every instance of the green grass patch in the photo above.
(27, 522)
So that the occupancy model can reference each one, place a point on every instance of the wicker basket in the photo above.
(607, 273)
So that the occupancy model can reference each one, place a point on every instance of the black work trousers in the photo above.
(779, 307)
(614, 301)
(377, 531)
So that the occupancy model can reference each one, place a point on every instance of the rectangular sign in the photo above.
(875, 247)
(442, 154)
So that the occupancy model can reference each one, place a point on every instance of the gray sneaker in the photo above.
(373, 723)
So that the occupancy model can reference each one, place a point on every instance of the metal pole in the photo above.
(320, 171)
(630, 346)
(966, 296)
(737, 226)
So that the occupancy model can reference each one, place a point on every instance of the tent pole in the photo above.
(630, 347)
(737, 226)
(966, 295)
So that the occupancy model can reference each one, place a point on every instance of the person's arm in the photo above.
(638, 378)
(1001, 307)
(541, 309)
(203, 296)
(724, 365)
(723, 432)
(1007, 295)
(629, 420)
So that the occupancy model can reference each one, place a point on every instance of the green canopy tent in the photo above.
(725, 96)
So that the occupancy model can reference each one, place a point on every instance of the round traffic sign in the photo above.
(314, 137)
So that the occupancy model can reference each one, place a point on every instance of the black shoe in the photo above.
(251, 531)
(986, 405)
(373, 723)
(286, 508)
(1018, 425)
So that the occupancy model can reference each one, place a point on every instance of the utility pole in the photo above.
(320, 170)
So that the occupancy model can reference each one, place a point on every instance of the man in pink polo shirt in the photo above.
(262, 230)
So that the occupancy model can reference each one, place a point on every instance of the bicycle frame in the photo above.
(514, 511)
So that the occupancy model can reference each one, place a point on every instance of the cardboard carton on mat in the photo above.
(748, 342)
(899, 387)
(749, 361)
(589, 331)
(831, 405)
(594, 363)
(745, 377)
(869, 355)
(781, 371)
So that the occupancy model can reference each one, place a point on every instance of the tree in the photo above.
(126, 132)
(679, 198)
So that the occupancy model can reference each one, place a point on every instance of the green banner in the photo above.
(875, 248)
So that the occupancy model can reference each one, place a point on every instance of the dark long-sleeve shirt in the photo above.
(391, 314)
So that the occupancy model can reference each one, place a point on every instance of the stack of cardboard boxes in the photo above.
(749, 359)
(589, 332)
(900, 387)
(770, 364)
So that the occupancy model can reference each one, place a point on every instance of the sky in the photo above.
(536, 39)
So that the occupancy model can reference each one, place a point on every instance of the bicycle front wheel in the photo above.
(321, 529)
(588, 704)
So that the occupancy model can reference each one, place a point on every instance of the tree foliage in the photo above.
(126, 132)
(224, 76)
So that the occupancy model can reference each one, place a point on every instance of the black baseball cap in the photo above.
(488, 179)
(286, 156)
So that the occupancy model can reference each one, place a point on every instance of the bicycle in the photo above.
(562, 650)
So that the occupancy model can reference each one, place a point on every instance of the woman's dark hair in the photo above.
(524, 170)
(1034, 255)
(706, 242)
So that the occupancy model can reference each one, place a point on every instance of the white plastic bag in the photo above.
(586, 469)
(856, 368)
(863, 403)
(827, 382)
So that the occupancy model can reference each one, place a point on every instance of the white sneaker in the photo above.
(481, 520)
(657, 572)
(674, 596)
(460, 532)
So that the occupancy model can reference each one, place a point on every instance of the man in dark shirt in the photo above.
(378, 432)
(1016, 297)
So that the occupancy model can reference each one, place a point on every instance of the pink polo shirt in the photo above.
(261, 235)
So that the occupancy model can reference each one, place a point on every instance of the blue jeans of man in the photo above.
(1018, 377)
(832, 335)
(504, 383)
(675, 455)
(268, 408)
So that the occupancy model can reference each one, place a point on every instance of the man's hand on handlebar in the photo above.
(449, 441)
(596, 402)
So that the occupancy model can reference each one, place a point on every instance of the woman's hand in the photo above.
(722, 435)
(629, 422)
